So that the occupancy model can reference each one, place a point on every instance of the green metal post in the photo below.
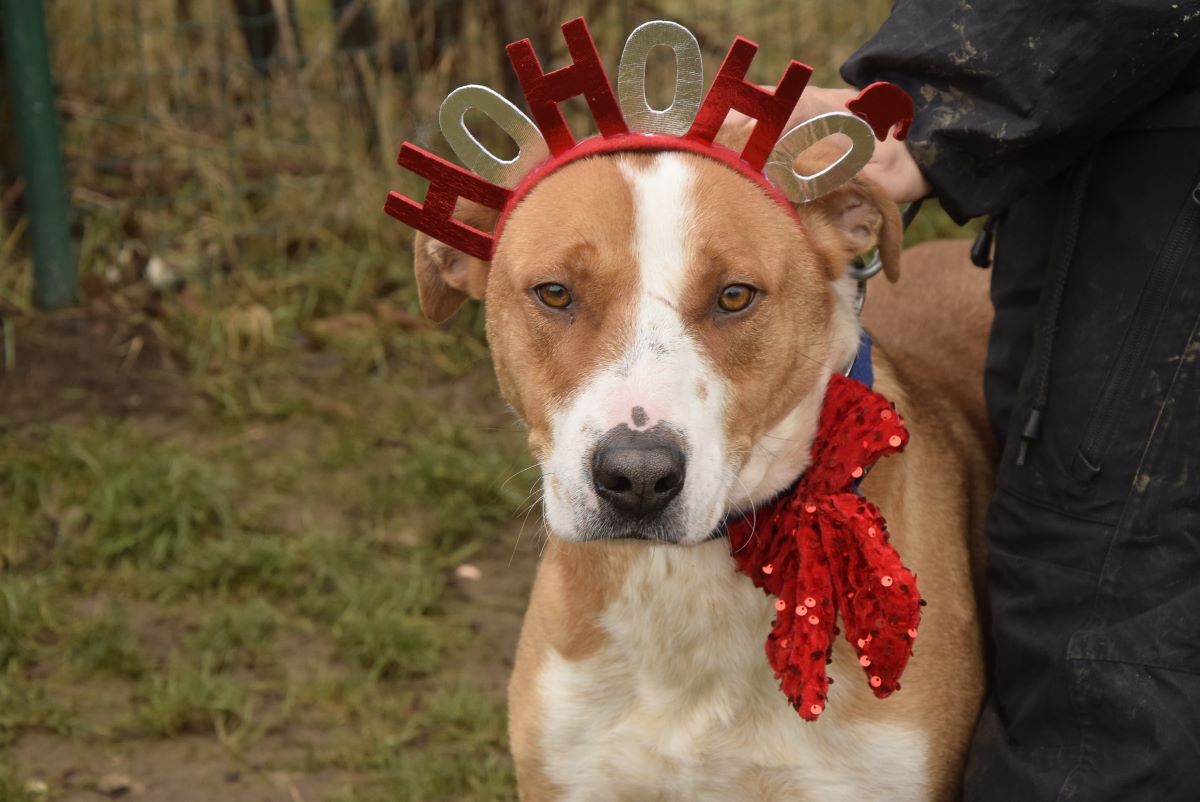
(32, 90)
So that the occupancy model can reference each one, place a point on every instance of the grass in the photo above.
(387, 628)
(14, 789)
(109, 495)
(25, 614)
(194, 697)
(26, 704)
(188, 577)
(106, 645)
(450, 749)
(255, 547)
(236, 634)
(463, 732)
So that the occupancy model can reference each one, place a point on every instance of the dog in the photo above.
(640, 672)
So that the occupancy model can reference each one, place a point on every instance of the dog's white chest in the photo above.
(682, 706)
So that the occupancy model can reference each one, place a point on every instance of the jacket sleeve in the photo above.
(1010, 93)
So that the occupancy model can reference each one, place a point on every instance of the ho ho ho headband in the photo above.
(628, 123)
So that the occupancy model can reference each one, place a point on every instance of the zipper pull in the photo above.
(981, 251)
(1032, 431)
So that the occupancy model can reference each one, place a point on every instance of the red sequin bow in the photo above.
(823, 550)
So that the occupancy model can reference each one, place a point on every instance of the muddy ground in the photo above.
(311, 713)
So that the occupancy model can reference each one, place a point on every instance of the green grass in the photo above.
(386, 625)
(14, 789)
(106, 495)
(191, 580)
(106, 645)
(26, 613)
(194, 697)
(151, 507)
(29, 705)
(231, 568)
(239, 635)
(451, 748)
(461, 476)
(457, 758)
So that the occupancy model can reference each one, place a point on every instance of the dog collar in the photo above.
(823, 550)
(862, 369)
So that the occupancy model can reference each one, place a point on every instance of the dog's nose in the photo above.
(638, 473)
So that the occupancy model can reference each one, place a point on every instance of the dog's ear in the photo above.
(446, 276)
(855, 217)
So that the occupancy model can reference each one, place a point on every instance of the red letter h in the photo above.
(731, 90)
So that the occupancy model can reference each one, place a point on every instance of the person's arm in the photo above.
(1008, 94)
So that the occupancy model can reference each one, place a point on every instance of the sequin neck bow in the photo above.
(823, 550)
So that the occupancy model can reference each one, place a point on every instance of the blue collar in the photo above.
(862, 369)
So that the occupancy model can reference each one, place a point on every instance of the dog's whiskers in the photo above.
(524, 521)
(518, 473)
(785, 439)
(753, 511)
(530, 501)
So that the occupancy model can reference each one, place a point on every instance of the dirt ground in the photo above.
(199, 768)
(84, 370)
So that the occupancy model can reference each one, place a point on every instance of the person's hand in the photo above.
(892, 165)
(893, 168)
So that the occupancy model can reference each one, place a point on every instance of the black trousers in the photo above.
(1094, 542)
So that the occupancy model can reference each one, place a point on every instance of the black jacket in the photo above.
(1011, 93)
(1080, 119)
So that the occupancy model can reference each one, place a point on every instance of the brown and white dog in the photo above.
(654, 410)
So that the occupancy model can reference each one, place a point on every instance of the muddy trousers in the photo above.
(1093, 577)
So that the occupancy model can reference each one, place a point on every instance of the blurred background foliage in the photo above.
(237, 480)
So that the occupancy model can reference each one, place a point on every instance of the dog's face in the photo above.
(665, 330)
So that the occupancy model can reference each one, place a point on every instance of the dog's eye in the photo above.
(555, 296)
(736, 297)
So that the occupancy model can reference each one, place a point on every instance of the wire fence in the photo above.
(242, 137)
